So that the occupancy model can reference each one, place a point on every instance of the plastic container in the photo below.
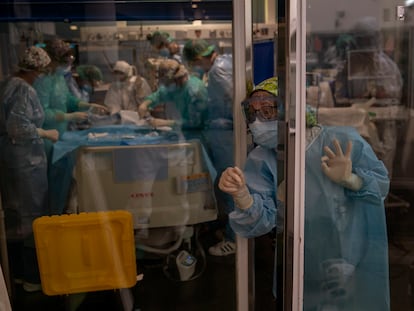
(85, 252)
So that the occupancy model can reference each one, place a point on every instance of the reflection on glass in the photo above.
(357, 89)
(140, 132)
(258, 207)
(218, 70)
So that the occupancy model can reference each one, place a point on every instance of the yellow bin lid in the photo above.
(85, 252)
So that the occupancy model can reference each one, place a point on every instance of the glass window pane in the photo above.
(358, 181)
(131, 110)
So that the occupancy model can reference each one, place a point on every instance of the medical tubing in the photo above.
(162, 251)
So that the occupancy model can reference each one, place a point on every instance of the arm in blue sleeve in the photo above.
(372, 171)
(261, 178)
(257, 220)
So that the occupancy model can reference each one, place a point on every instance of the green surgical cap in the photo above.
(159, 38)
(89, 72)
(193, 49)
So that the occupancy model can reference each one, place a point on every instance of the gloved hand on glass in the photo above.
(337, 166)
(232, 181)
(338, 284)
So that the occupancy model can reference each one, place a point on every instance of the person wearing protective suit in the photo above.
(373, 72)
(369, 73)
(23, 164)
(61, 109)
(165, 45)
(184, 97)
(345, 249)
(59, 104)
(219, 126)
(82, 83)
(128, 90)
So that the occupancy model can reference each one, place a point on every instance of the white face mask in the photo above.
(120, 84)
(171, 87)
(164, 52)
(65, 69)
(265, 134)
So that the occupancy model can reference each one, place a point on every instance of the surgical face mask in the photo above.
(120, 76)
(198, 71)
(87, 88)
(264, 133)
(65, 69)
(172, 87)
(40, 74)
(119, 84)
(164, 52)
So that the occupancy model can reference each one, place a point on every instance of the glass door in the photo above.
(358, 172)
(142, 94)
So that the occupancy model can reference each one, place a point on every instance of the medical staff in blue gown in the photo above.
(60, 107)
(23, 167)
(184, 98)
(165, 45)
(59, 104)
(82, 83)
(219, 126)
(346, 249)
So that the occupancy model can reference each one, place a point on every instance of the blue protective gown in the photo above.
(219, 125)
(55, 98)
(75, 89)
(220, 88)
(346, 248)
(186, 104)
(219, 130)
(23, 165)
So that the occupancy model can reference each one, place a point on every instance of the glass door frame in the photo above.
(242, 74)
(293, 265)
(295, 74)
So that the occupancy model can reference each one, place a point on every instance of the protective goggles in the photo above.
(263, 108)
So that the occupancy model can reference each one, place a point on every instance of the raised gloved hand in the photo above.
(232, 181)
(337, 166)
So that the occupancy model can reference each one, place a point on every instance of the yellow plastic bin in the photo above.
(85, 252)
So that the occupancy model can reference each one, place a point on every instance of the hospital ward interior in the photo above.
(207, 155)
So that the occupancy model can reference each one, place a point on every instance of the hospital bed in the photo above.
(162, 185)
(164, 180)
